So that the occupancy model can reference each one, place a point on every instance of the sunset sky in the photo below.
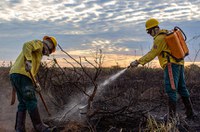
(117, 27)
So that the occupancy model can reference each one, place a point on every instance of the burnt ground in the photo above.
(123, 105)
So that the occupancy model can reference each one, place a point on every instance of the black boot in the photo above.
(38, 124)
(188, 106)
(20, 121)
(172, 109)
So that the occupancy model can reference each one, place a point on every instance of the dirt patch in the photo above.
(8, 112)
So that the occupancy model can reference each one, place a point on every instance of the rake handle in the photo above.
(41, 97)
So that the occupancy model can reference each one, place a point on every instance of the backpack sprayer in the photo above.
(176, 43)
(178, 50)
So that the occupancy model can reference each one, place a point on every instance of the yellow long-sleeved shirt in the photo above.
(32, 51)
(159, 46)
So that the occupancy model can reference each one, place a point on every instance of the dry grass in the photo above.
(139, 89)
(154, 126)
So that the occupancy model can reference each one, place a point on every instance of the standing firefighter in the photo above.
(173, 69)
(28, 62)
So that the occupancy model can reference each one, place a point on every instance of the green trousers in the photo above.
(179, 80)
(25, 92)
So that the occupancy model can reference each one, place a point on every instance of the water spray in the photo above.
(80, 105)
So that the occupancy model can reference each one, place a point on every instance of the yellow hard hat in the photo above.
(53, 39)
(152, 22)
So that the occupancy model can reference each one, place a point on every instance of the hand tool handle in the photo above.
(34, 81)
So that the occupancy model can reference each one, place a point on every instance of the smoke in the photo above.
(78, 104)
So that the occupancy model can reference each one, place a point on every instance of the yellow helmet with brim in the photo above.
(54, 41)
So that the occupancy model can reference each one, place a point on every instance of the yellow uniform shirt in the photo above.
(159, 46)
(32, 51)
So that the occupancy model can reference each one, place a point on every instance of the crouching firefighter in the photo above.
(21, 74)
(173, 65)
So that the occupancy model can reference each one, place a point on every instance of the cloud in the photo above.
(78, 11)
(116, 26)
(107, 46)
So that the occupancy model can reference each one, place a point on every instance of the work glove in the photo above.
(38, 87)
(134, 64)
(28, 65)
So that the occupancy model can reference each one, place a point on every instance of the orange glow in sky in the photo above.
(109, 60)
